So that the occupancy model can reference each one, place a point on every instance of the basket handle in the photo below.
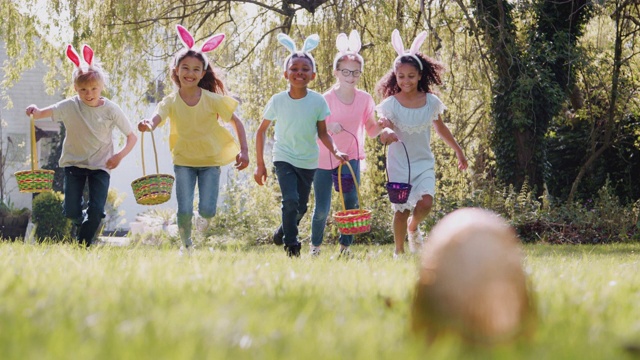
(386, 168)
(34, 156)
(357, 146)
(355, 183)
(155, 153)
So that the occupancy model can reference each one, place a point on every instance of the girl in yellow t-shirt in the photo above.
(199, 143)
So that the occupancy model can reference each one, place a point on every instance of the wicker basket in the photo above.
(34, 180)
(152, 189)
(398, 192)
(353, 221)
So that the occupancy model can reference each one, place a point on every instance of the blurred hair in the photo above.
(94, 73)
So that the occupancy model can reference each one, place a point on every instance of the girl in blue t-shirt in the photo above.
(299, 115)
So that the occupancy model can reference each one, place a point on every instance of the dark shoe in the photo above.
(293, 250)
(278, 235)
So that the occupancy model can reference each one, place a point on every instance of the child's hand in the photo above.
(32, 110)
(342, 157)
(114, 161)
(462, 160)
(388, 136)
(385, 123)
(145, 125)
(242, 160)
(260, 175)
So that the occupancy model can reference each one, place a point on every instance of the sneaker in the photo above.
(415, 241)
(188, 251)
(315, 251)
(345, 253)
(202, 224)
(293, 250)
(278, 235)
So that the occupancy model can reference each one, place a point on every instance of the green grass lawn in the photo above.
(62, 302)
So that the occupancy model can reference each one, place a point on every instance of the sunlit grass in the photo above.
(60, 301)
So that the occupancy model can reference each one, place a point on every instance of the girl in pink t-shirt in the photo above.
(352, 112)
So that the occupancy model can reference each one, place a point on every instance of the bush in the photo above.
(49, 218)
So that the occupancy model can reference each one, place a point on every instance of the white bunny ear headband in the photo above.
(87, 54)
(310, 43)
(396, 41)
(348, 46)
(209, 45)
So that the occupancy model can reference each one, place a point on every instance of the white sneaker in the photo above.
(314, 251)
(202, 224)
(415, 241)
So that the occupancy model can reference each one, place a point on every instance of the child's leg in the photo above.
(295, 186)
(400, 229)
(420, 212)
(322, 188)
(208, 189)
(185, 188)
(98, 192)
(74, 181)
(351, 200)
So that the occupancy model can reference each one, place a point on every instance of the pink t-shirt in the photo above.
(353, 118)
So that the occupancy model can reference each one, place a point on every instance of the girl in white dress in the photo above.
(410, 109)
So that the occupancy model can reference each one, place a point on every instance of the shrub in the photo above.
(49, 218)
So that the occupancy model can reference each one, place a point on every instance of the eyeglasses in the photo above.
(346, 72)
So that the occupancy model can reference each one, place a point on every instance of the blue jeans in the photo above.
(295, 185)
(86, 221)
(323, 188)
(208, 179)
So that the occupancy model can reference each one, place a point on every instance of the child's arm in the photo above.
(327, 140)
(443, 131)
(372, 126)
(39, 113)
(260, 175)
(114, 161)
(242, 159)
(149, 125)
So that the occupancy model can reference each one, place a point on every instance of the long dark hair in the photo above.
(430, 75)
(211, 81)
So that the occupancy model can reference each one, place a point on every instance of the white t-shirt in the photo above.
(89, 139)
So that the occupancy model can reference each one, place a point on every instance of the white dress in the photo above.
(413, 127)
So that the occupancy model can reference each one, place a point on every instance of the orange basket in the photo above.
(152, 189)
(34, 180)
(353, 221)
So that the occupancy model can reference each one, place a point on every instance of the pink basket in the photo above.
(398, 192)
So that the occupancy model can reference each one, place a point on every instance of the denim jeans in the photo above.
(323, 189)
(86, 221)
(208, 179)
(295, 185)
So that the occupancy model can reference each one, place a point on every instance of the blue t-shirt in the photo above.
(296, 127)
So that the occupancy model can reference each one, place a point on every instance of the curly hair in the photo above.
(431, 75)
(210, 81)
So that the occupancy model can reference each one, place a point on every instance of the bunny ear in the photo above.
(310, 43)
(72, 55)
(396, 41)
(212, 42)
(417, 42)
(87, 53)
(354, 41)
(185, 36)
(342, 43)
(285, 40)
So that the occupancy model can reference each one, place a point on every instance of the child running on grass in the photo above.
(88, 150)
(199, 144)
(352, 113)
(299, 115)
(410, 108)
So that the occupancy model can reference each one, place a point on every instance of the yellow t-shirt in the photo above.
(196, 137)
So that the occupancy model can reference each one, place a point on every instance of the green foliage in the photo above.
(47, 215)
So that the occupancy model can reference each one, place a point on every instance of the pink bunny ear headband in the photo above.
(396, 41)
(348, 46)
(209, 45)
(87, 53)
